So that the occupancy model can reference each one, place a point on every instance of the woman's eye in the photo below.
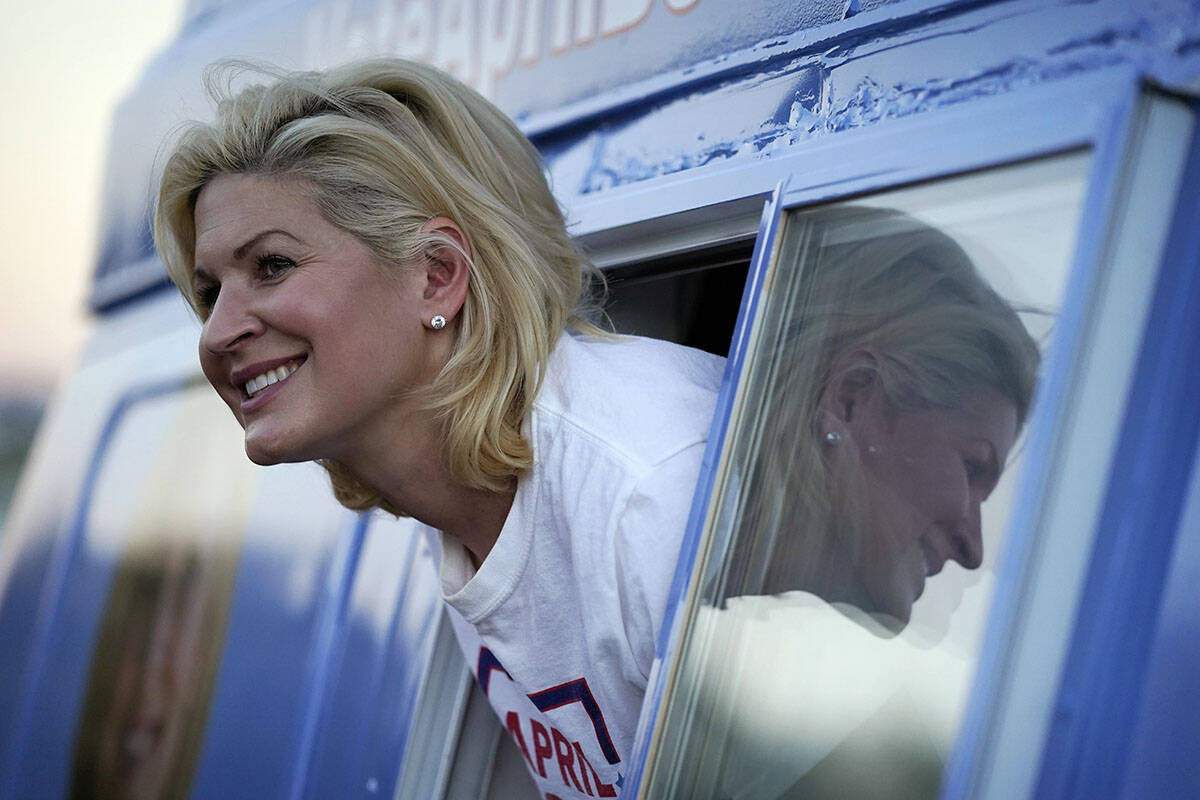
(272, 266)
(206, 296)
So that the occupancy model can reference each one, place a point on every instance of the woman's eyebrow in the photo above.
(240, 253)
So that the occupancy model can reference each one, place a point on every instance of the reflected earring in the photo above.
(832, 438)
(438, 322)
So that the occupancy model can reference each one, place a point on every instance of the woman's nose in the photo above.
(231, 321)
(968, 539)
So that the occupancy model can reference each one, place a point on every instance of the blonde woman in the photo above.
(386, 287)
(905, 380)
(900, 382)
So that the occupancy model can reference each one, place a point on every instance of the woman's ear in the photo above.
(852, 391)
(447, 271)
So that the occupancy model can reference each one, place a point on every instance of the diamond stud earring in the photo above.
(438, 322)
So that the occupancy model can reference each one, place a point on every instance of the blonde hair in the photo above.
(880, 279)
(386, 145)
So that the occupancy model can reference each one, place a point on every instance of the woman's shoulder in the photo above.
(619, 358)
(646, 396)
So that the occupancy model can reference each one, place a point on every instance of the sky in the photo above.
(66, 65)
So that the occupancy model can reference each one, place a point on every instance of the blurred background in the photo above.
(67, 64)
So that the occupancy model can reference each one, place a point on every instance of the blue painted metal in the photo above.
(19, 630)
(283, 630)
(331, 630)
(906, 60)
(1043, 120)
(401, 674)
(1164, 741)
(1109, 146)
(845, 97)
(742, 92)
(274, 626)
(53, 614)
(375, 677)
(1102, 682)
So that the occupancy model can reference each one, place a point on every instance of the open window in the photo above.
(678, 278)
(690, 298)
(885, 612)
(884, 609)
(894, 354)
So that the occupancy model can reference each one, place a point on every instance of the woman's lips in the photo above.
(270, 377)
(258, 370)
(252, 402)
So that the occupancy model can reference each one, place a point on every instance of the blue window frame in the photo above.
(1130, 197)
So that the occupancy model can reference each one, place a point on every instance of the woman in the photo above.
(897, 385)
(907, 379)
(384, 281)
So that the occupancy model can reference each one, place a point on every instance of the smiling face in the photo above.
(310, 339)
(913, 484)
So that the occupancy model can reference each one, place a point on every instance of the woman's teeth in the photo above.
(271, 376)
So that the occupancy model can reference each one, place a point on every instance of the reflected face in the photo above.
(156, 687)
(922, 479)
(309, 337)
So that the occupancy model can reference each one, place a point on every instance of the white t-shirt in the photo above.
(561, 620)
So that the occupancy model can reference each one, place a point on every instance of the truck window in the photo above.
(690, 298)
(869, 470)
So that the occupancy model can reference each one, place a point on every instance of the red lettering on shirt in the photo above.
(513, 723)
(549, 743)
(604, 789)
(566, 759)
(541, 746)
(583, 772)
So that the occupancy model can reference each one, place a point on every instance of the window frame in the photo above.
(1100, 113)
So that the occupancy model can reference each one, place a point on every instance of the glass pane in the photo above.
(161, 635)
(864, 488)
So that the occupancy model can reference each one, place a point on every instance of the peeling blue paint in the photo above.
(889, 66)
(843, 65)
(804, 103)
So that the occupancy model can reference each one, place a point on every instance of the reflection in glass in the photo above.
(158, 648)
(153, 673)
(902, 382)
(863, 489)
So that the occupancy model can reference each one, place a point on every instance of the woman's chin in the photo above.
(266, 452)
(880, 623)
(893, 623)
(262, 459)
(895, 611)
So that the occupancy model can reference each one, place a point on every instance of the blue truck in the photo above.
(176, 622)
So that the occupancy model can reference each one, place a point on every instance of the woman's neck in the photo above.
(414, 476)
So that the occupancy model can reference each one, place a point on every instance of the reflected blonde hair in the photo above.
(877, 279)
(156, 587)
(386, 145)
